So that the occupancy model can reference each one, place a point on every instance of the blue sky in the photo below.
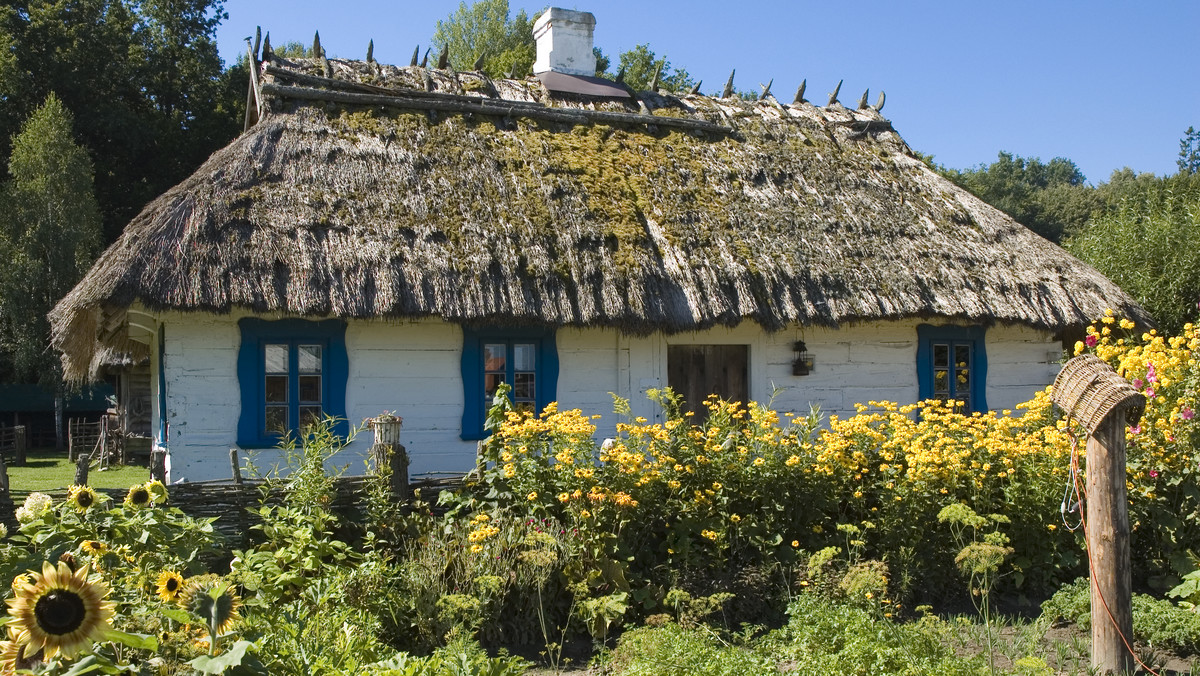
(1106, 84)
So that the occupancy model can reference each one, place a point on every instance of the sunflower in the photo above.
(138, 496)
(15, 655)
(158, 492)
(169, 586)
(61, 612)
(214, 601)
(83, 497)
(93, 547)
(23, 579)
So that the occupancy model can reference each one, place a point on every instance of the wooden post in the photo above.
(158, 464)
(1108, 545)
(22, 443)
(389, 452)
(235, 466)
(81, 469)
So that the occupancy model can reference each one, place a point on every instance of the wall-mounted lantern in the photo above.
(802, 361)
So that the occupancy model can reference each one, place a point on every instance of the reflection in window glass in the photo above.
(276, 358)
(309, 357)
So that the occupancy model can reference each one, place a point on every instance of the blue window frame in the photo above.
(952, 365)
(290, 372)
(526, 359)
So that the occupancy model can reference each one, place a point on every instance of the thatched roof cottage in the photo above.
(405, 238)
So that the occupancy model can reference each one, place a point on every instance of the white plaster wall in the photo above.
(413, 369)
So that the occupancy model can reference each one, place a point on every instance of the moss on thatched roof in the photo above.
(361, 193)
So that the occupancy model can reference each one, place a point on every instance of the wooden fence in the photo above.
(13, 442)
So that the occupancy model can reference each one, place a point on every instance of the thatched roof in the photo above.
(374, 191)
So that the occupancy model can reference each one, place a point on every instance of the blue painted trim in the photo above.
(474, 410)
(162, 386)
(928, 334)
(330, 333)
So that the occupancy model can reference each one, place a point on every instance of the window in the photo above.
(526, 359)
(952, 365)
(291, 373)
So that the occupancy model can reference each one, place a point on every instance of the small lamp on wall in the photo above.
(802, 362)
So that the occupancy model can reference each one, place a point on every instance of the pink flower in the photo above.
(1090, 341)
(1187, 413)
(1149, 392)
(1153, 474)
(1136, 429)
(1137, 383)
(1151, 375)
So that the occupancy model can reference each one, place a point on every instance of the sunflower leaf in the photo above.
(135, 641)
(232, 657)
(176, 614)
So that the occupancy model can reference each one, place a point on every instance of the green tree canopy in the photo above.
(49, 237)
(1050, 198)
(1189, 152)
(145, 78)
(640, 64)
(485, 29)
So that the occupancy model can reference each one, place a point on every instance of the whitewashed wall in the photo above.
(413, 369)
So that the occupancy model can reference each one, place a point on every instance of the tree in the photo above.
(145, 77)
(1052, 199)
(640, 64)
(484, 29)
(48, 239)
(1189, 152)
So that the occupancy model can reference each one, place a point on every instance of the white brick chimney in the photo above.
(564, 42)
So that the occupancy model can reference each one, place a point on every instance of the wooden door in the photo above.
(696, 371)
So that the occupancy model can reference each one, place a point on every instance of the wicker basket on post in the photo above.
(387, 451)
(1090, 391)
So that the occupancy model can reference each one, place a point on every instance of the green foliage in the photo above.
(640, 65)
(1157, 622)
(485, 28)
(49, 236)
(671, 650)
(144, 79)
(1049, 198)
(1189, 152)
(1146, 244)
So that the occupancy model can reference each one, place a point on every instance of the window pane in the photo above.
(276, 420)
(310, 389)
(490, 382)
(523, 357)
(523, 387)
(941, 356)
(493, 358)
(277, 389)
(962, 356)
(941, 382)
(276, 358)
(309, 357)
(309, 415)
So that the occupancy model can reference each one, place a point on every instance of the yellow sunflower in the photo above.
(14, 656)
(23, 579)
(60, 613)
(93, 547)
(138, 496)
(83, 497)
(169, 586)
(158, 492)
(214, 601)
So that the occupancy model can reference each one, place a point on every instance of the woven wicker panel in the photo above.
(1089, 390)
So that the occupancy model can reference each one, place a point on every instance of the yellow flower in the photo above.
(795, 544)
(716, 485)
(61, 612)
(532, 496)
(169, 586)
(93, 547)
(758, 462)
(564, 497)
(83, 497)
(138, 496)
(735, 518)
(213, 600)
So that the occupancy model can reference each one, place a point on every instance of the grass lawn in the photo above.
(49, 471)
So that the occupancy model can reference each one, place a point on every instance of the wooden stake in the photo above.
(1108, 547)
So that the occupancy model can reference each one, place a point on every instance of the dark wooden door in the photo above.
(696, 371)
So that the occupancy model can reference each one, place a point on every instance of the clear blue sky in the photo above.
(1104, 83)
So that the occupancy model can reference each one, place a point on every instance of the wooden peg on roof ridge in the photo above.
(444, 58)
(728, 91)
(425, 60)
(800, 92)
(512, 71)
(317, 52)
(654, 80)
(266, 47)
(416, 56)
(862, 100)
(696, 88)
(766, 91)
(257, 40)
(833, 96)
(880, 101)
(371, 51)
(478, 67)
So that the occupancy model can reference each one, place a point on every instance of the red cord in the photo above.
(1080, 497)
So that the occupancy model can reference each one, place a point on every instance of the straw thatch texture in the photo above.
(778, 214)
